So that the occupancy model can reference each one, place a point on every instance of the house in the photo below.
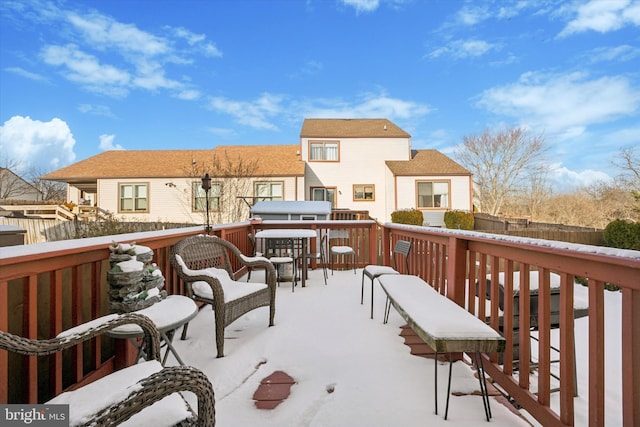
(13, 187)
(357, 164)
(368, 164)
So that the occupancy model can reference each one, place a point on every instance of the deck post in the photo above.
(630, 357)
(456, 269)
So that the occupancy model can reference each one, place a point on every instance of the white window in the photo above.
(200, 197)
(133, 198)
(323, 151)
(433, 194)
(269, 190)
(324, 194)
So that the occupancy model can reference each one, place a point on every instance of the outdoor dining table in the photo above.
(300, 234)
(168, 315)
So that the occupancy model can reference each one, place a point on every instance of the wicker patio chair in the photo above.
(127, 394)
(204, 264)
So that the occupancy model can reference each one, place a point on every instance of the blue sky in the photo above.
(80, 77)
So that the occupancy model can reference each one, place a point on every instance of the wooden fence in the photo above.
(50, 230)
(522, 227)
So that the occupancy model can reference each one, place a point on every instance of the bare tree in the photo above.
(11, 185)
(531, 198)
(502, 163)
(230, 177)
(235, 175)
(50, 190)
(629, 163)
(593, 206)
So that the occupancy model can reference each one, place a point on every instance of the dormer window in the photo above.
(323, 151)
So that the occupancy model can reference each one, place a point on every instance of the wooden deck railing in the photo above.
(455, 262)
(60, 212)
(46, 288)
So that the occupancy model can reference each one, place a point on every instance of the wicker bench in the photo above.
(443, 325)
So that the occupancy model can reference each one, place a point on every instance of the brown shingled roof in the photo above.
(426, 162)
(272, 160)
(351, 128)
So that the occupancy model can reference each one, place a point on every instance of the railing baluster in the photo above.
(596, 353)
(544, 337)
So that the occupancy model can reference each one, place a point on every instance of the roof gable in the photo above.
(271, 160)
(426, 162)
(351, 128)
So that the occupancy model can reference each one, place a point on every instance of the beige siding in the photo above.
(362, 161)
(459, 189)
(170, 199)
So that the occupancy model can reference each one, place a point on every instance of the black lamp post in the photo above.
(206, 186)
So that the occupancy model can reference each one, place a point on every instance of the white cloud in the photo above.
(221, 132)
(191, 37)
(110, 57)
(188, 94)
(556, 103)
(106, 143)
(34, 144)
(198, 41)
(258, 113)
(471, 15)
(86, 69)
(210, 49)
(309, 68)
(626, 137)
(152, 77)
(96, 110)
(362, 5)
(24, 73)
(105, 32)
(621, 53)
(255, 114)
(603, 16)
(567, 180)
(370, 105)
(460, 49)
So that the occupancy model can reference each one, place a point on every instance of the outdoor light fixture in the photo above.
(206, 186)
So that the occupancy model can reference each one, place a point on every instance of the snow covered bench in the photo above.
(444, 325)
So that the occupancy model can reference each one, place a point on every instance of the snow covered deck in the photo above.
(349, 370)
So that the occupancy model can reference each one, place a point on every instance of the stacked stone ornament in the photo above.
(134, 281)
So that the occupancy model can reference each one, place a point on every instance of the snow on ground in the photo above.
(325, 340)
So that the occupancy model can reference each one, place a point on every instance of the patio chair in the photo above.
(254, 252)
(319, 256)
(203, 263)
(281, 252)
(401, 248)
(341, 248)
(144, 393)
